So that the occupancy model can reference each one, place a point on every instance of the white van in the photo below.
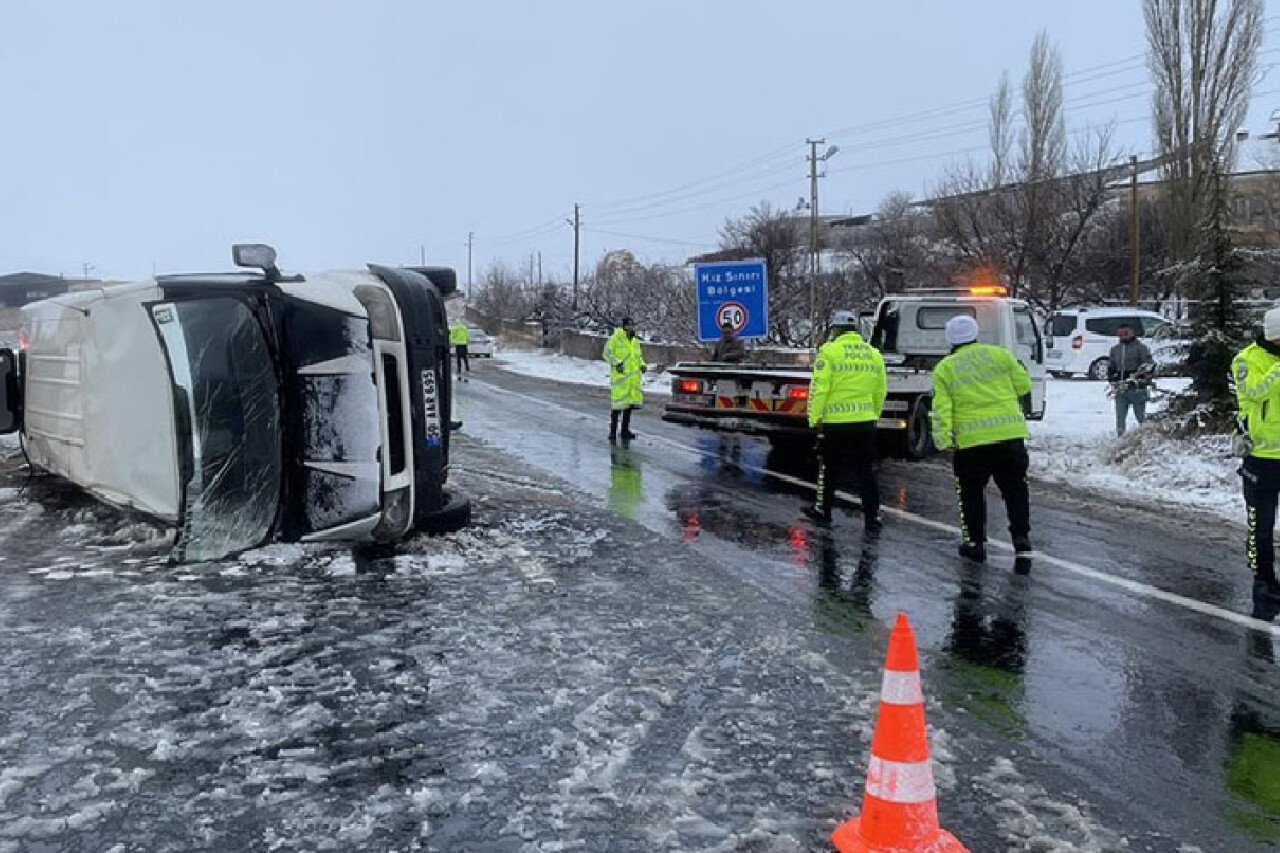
(245, 407)
(1080, 339)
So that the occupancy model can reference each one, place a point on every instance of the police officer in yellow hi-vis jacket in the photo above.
(1256, 370)
(626, 378)
(460, 339)
(846, 395)
(977, 409)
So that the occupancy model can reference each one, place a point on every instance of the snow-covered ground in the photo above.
(543, 364)
(1075, 444)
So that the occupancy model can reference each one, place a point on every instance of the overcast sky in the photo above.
(155, 134)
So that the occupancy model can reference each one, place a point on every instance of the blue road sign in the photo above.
(736, 292)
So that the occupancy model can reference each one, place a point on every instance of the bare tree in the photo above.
(891, 250)
(502, 295)
(1203, 57)
(1073, 204)
(1000, 131)
(1043, 156)
(1044, 137)
(1031, 217)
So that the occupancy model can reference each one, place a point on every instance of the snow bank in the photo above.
(1076, 445)
(543, 364)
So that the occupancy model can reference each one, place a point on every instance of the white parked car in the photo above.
(481, 346)
(1080, 339)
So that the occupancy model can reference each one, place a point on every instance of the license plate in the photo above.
(431, 409)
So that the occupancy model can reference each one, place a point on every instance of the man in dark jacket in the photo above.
(1129, 371)
(729, 348)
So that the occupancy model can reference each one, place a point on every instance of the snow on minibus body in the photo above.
(242, 407)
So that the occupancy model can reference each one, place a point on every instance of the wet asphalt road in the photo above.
(1156, 720)
(631, 649)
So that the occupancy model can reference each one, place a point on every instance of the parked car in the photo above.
(1080, 339)
(481, 346)
(241, 408)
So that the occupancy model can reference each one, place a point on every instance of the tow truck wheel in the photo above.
(919, 440)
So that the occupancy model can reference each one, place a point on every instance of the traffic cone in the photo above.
(900, 805)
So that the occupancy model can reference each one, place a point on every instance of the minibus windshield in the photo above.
(228, 419)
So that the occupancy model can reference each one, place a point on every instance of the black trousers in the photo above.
(461, 352)
(1261, 492)
(613, 421)
(848, 449)
(1006, 463)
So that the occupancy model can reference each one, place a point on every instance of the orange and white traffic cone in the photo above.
(900, 804)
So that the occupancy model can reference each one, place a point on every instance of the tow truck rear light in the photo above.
(1077, 342)
(689, 386)
(24, 340)
(798, 392)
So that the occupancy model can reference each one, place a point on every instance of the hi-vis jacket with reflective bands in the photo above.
(459, 334)
(1257, 376)
(848, 384)
(977, 393)
(626, 371)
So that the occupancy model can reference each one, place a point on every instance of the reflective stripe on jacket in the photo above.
(1257, 377)
(977, 397)
(626, 370)
(848, 384)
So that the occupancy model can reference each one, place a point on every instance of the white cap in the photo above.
(844, 318)
(1271, 325)
(961, 329)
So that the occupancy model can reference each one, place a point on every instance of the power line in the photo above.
(675, 201)
(648, 238)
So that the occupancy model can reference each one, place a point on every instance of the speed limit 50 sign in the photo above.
(734, 293)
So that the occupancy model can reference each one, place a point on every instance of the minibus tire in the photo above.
(454, 515)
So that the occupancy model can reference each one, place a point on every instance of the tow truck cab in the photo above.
(910, 331)
(246, 407)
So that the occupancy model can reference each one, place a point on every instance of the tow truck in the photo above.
(771, 400)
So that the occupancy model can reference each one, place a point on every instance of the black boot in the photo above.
(613, 426)
(627, 434)
(975, 551)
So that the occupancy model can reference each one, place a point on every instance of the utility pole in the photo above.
(471, 239)
(422, 251)
(1134, 232)
(576, 222)
(539, 269)
(815, 251)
